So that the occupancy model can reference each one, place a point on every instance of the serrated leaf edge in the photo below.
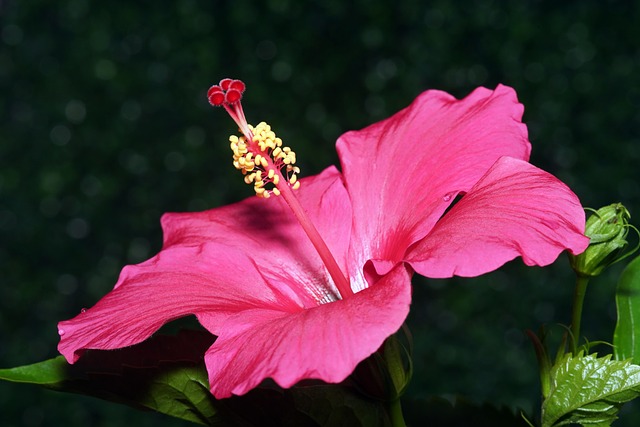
(578, 407)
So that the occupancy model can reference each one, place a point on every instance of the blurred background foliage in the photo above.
(104, 126)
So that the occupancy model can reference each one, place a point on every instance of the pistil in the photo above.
(260, 156)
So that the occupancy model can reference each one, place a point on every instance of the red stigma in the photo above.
(224, 84)
(237, 85)
(215, 96)
(227, 92)
(232, 96)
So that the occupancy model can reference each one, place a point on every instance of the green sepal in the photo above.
(607, 229)
(544, 364)
(626, 337)
(589, 391)
(385, 375)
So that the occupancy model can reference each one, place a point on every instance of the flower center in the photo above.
(270, 167)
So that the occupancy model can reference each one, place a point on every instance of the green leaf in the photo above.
(165, 374)
(626, 337)
(589, 391)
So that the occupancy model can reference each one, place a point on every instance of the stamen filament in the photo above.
(259, 155)
(329, 261)
(285, 189)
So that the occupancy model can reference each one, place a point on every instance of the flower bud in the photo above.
(607, 228)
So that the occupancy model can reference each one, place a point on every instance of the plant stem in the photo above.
(576, 315)
(395, 413)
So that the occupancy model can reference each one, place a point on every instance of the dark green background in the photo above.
(104, 126)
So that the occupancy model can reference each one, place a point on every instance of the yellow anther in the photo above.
(263, 160)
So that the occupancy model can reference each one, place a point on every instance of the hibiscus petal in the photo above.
(326, 342)
(216, 264)
(403, 172)
(177, 282)
(515, 210)
(267, 229)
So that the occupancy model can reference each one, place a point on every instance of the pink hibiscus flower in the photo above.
(309, 284)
